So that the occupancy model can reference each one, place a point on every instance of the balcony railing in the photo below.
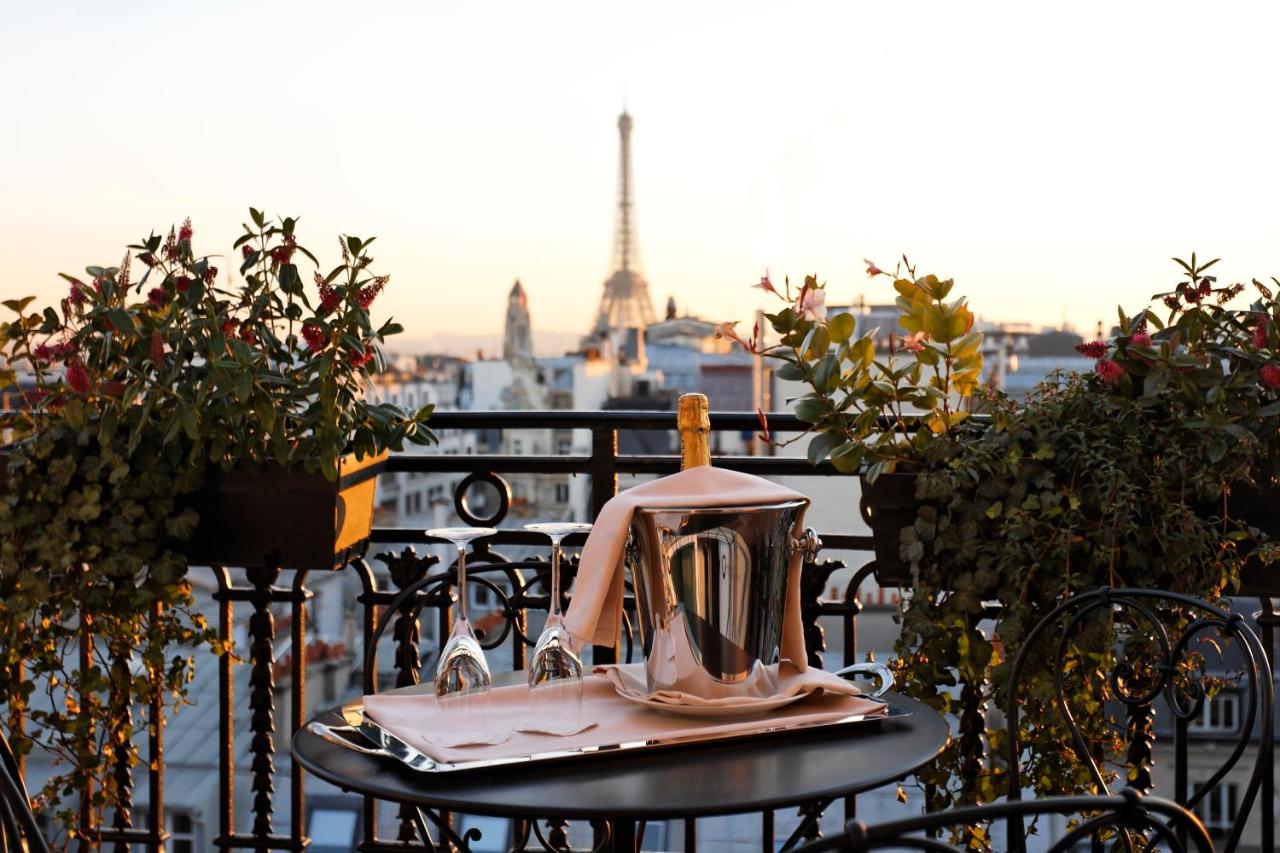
(412, 593)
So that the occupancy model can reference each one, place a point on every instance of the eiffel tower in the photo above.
(626, 303)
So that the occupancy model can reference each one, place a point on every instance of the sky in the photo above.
(1051, 158)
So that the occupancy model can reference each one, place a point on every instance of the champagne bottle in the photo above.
(694, 420)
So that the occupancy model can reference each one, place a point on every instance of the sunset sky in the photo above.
(1051, 158)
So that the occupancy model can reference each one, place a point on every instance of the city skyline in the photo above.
(1050, 163)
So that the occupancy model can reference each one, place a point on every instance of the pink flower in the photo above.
(1140, 339)
(872, 269)
(812, 303)
(1108, 370)
(1270, 376)
(1093, 349)
(727, 330)
(766, 285)
(42, 352)
(77, 296)
(185, 232)
(915, 341)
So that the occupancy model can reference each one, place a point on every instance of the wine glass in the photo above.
(462, 676)
(555, 671)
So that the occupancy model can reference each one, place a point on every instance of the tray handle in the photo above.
(878, 671)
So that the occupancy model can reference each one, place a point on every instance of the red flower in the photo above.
(1140, 339)
(1260, 332)
(158, 297)
(281, 254)
(1108, 370)
(77, 296)
(247, 335)
(148, 259)
(1172, 301)
(114, 388)
(359, 359)
(1205, 288)
(66, 349)
(42, 352)
(329, 299)
(157, 350)
(228, 326)
(1270, 376)
(245, 251)
(182, 284)
(184, 233)
(210, 274)
(766, 285)
(313, 335)
(77, 377)
(368, 293)
(1093, 349)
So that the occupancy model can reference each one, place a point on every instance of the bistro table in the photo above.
(698, 780)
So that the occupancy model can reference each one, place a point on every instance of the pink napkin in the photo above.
(411, 716)
(629, 680)
(595, 610)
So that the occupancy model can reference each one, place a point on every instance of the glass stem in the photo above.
(553, 610)
(460, 612)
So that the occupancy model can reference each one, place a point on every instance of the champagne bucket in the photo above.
(711, 588)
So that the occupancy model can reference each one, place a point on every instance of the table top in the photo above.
(748, 775)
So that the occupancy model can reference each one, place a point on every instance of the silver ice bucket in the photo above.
(711, 590)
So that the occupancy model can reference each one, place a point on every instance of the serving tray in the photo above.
(362, 734)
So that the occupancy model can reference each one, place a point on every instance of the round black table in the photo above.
(750, 775)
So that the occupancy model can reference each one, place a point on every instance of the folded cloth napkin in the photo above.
(629, 680)
(412, 716)
(595, 610)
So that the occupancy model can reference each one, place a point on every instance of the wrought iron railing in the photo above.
(265, 592)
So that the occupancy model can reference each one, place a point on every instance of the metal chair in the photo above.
(19, 832)
(1153, 635)
(1160, 821)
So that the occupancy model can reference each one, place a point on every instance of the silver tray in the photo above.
(363, 735)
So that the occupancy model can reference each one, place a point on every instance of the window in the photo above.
(1219, 714)
(333, 830)
(493, 832)
(562, 493)
(1218, 810)
(182, 832)
(517, 446)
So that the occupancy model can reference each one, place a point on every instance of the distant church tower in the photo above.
(517, 340)
(626, 303)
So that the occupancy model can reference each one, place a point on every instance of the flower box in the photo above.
(889, 505)
(253, 515)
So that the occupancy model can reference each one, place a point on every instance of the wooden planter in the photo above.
(889, 505)
(268, 515)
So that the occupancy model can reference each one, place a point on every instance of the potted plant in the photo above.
(175, 419)
(1118, 477)
(877, 399)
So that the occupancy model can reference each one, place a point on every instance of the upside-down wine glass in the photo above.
(462, 677)
(555, 671)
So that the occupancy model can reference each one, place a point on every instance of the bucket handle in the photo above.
(876, 670)
(807, 543)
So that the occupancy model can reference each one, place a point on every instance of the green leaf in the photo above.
(123, 322)
(810, 410)
(841, 327)
(820, 445)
